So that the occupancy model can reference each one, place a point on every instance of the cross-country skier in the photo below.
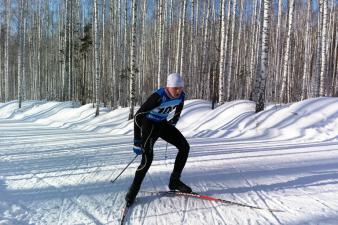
(150, 123)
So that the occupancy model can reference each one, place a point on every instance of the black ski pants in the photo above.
(151, 131)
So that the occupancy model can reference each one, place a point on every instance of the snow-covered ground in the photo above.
(57, 160)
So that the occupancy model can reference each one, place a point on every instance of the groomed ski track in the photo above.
(61, 176)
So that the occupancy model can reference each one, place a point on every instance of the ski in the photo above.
(208, 198)
(124, 213)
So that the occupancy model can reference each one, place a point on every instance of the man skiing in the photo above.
(150, 123)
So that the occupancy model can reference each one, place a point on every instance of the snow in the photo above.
(57, 160)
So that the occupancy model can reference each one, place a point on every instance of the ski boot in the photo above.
(175, 184)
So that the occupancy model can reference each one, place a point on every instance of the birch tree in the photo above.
(8, 30)
(306, 72)
(143, 51)
(261, 76)
(170, 35)
(160, 34)
(178, 40)
(254, 42)
(286, 64)
(233, 20)
(20, 53)
(222, 55)
(278, 46)
(133, 61)
(238, 53)
(183, 37)
(113, 49)
(103, 53)
(323, 48)
(96, 60)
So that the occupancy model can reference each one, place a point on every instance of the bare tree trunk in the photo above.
(233, 20)
(205, 61)
(261, 76)
(8, 30)
(133, 61)
(183, 37)
(143, 54)
(70, 51)
(20, 53)
(287, 52)
(160, 33)
(222, 55)
(316, 79)
(324, 49)
(238, 53)
(96, 62)
(113, 49)
(335, 66)
(125, 66)
(306, 72)
(120, 43)
(103, 55)
(66, 51)
(253, 48)
(179, 34)
(2, 73)
(278, 46)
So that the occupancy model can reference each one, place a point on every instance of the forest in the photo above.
(114, 53)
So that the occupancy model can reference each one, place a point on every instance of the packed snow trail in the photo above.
(53, 175)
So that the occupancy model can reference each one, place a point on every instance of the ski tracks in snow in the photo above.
(70, 174)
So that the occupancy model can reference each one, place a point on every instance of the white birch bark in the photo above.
(324, 49)
(253, 44)
(316, 80)
(103, 72)
(238, 53)
(20, 52)
(261, 76)
(278, 46)
(38, 60)
(2, 73)
(133, 61)
(160, 34)
(183, 37)
(306, 72)
(8, 31)
(143, 51)
(192, 44)
(113, 49)
(222, 56)
(96, 60)
(178, 40)
(203, 87)
(233, 20)
(287, 52)
(335, 66)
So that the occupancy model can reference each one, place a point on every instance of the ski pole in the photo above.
(165, 155)
(112, 181)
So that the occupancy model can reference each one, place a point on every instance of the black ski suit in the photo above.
(148, 130)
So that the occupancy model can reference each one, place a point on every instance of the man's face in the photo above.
(175, 91)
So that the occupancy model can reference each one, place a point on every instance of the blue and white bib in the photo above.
(161, 112)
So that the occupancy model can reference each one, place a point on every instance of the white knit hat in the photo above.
(175, 80)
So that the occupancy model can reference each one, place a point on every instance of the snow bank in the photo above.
(315, 119)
